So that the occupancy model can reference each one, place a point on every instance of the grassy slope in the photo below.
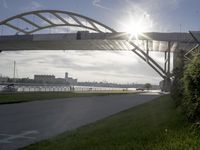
(6, 98)
(156, 125)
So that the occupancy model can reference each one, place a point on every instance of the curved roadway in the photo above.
(25, 123)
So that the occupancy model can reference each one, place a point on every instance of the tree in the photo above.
(177, 83)
(147, 86)
(191, 82)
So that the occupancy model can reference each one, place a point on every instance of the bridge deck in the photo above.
(96, 41)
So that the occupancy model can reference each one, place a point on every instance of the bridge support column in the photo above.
(165, 73)
(179, 59)
(166, 84)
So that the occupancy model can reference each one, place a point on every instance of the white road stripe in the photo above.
(10, 137)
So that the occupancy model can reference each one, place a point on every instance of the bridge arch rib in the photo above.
(76, 21)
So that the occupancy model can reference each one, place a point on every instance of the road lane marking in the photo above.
(25, 135)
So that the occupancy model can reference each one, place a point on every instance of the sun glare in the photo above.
(135, 29)
(135, 26)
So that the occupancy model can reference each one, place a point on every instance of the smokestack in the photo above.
(66, 75)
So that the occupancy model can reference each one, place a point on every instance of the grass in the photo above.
(7, 98)
(156, 125)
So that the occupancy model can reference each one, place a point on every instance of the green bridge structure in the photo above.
(33, 31)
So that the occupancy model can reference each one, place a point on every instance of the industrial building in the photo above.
(53, 79)
(70, 80)
(44, 78)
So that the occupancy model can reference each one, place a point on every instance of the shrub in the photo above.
(191, 82)
(177, 84)
(177, 88)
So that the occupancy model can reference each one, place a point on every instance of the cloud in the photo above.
(121, 67)
(157, 3)
(5, 5)
(33, 6)
(153, 10)
(97, 3)
(175, 3)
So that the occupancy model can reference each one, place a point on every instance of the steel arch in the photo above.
(94, 25)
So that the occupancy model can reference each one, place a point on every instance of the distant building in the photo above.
(44, 78)
(70, 80)
(66, 75)
(60, 80)
(52, 79)
(3, 79)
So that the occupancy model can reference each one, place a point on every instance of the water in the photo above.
(66, 88)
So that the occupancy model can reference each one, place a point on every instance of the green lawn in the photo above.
(6, 98)
(156, 125)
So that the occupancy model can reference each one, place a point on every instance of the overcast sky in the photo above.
(118, 67)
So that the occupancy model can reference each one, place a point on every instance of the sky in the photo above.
(117, 67)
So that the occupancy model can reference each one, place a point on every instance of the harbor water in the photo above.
(46, 88)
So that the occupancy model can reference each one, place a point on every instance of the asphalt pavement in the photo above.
(25, 123)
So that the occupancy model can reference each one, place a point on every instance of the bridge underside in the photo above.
(98, 41)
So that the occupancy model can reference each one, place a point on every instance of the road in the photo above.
(25, 123)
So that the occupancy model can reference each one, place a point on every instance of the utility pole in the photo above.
(14, 70)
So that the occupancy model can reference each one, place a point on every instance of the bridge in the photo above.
(27, 31)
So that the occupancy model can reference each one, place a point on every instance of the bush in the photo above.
(177, 84)
(177, 88)
(191, 82)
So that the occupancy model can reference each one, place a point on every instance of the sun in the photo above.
(135, 29)
(137, 25)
